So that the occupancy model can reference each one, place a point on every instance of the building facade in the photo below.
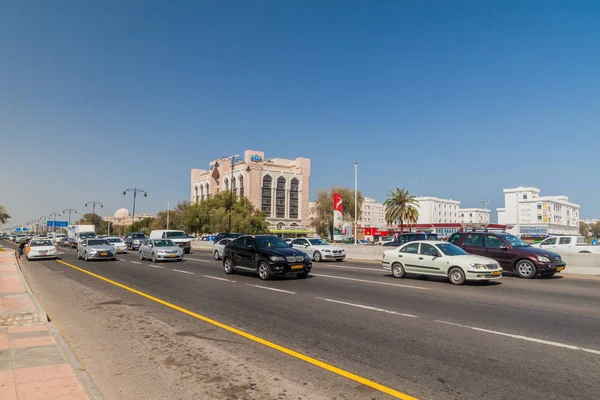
(372, 214)
(528, 214)
(473, 216)
(279, 187)
(433, 210)
(122, 217)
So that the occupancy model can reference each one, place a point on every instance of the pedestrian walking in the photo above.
(22, 247)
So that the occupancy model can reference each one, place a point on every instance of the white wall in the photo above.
(433, 210)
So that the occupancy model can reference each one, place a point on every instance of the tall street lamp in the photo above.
(54, 221)
(135, 192)
(94, 203)
(485, 207)
(69, 210)
(233, 160)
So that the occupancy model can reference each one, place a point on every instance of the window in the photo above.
(428, 250)
(241, 179)
(492, 242)
(549, 241)
(539, 206)
(564, 240)
(201, 192)
(233, 185)
(196, 188)
(207, 191)
(266, 195)
(454, 238)
(280, 198)
(294, 185)
(524, 196)
(539, 216)
(298, 242)
(226, 184)
(474, 239)
(412, 248)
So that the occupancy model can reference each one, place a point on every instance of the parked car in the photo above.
(220, 236)
(95, 249)
(319, 249)
(513, 254)
(219, 248)
(160, 250)
(178, 237)
(437, 258)
(567, 244)
(40, 249)
(133, 240)
(266, 255)
(409, 237)
(118, 243)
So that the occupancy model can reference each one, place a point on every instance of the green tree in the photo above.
(4, 217)
(596, 229)
(401, 206)
(323, 212)
(584, 229)
(100, 225)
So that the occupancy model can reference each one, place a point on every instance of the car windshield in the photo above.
(451, 250)
(98, 242)
(514, 241)
(364, 241)
(177, 235)
(318, 242)
(138, 236)
(87, 235)
(270, 242)
(163, 243)
(113, 240)
(40, 243)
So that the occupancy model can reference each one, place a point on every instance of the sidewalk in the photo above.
(32, 365)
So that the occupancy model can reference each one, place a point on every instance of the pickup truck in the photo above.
(567, 244)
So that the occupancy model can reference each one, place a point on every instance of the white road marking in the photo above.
(366, 281)
(183, 272)
(219, 279)
(155, 266)
(120, 259)
(349, 267)
(369, 308)
(135, 262)
(197, 259)
(529, 339)
(273, 289)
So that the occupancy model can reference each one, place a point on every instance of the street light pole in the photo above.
(135, 192)
(54, 222)
(93, 203)
(355, 201)
(232, 161)
(69, 210)
(485, 207)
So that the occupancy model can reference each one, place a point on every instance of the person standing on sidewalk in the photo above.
(22, 247)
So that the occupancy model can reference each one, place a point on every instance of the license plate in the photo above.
(172, 256)
(560, 268)
(496, 273)
(297, 266)
(103, 254)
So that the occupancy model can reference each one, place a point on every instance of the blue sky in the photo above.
(464, 97)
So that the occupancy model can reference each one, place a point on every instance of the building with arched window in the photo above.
(278, 187)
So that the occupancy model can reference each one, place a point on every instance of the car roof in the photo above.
(429, 242)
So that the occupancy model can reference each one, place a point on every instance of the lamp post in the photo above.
(355, 201)
(233, 160)
(485, 206)
(94, 203)
(55, 214)
(135, 192)
(69, 210)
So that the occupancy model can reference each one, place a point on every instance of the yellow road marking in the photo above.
(295, 354)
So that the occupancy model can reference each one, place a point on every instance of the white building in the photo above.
(473, 216)
(372, 214)
(526, 213)
(433, 210)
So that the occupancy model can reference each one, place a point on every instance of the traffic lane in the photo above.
(455, 360)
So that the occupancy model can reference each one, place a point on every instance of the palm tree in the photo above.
(4, 217)
(401, 206)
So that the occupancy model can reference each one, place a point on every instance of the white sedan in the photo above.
(118, 244)
(438, 258)
(219, 247)
(40, 249)
(319, 249)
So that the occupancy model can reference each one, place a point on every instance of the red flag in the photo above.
(337, 202)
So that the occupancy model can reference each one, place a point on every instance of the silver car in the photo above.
(96, 249)
(219, 248)
(160, 250)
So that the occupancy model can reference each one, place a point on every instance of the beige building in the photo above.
(277, 186)
(372, 214)
(123, 218)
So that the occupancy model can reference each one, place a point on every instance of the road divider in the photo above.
(292, 353)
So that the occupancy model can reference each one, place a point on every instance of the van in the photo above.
(178, 237)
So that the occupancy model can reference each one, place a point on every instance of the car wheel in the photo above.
(525, 269)
(216, 254)
(398, 270)
(78, 255)
(85, 257)
(302, 275)
(142, 256)
(228, 266)
(153, 257)
(317, 256)
(179, 259)
(456, 276)
(187, 251)
(264, 271)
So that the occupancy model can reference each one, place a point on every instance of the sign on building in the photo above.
(534, 229)
(338, 219)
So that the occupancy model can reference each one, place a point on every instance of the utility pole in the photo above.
(69, 210)
(94, 203)
(168, 211)
(135, 192)
(355, 202)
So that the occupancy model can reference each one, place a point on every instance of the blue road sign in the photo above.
(61, 224)
(25, 229)
(595, 242)
(49, 223)
(17, 229)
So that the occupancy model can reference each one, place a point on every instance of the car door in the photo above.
(549, 244)
(148, 246)
(498, 250)
(299, 244)
(408, 255)
(431, 260)
(240, 252)
(474, 244)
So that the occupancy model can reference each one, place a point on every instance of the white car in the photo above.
(219, 248)
(319, 249)
(118, 243)
(40, 249)
(436, 258)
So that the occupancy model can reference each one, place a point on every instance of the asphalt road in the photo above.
(533, 339)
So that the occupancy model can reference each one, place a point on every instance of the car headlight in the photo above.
(478, 266)
(92, 251)
(543, 259)
(277, 258)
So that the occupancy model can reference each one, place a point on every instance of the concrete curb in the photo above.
(41, 311)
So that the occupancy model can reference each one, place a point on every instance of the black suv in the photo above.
(133, 240)
(513, 254)
(266, 255)
(410, 237)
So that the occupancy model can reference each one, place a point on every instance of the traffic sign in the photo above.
(17, 229)
(25, 229)
(61, 224)
(49, 223)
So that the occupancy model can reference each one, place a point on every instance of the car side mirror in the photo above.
(306, 245)
(503, 248)
(436, 254)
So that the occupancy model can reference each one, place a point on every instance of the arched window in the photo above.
(226, 181)
(207, 189)
(201, 192)
(267, 184)
(196, 197)
(280, 198)
(294, 184)
(241, 179)
(233, 185)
